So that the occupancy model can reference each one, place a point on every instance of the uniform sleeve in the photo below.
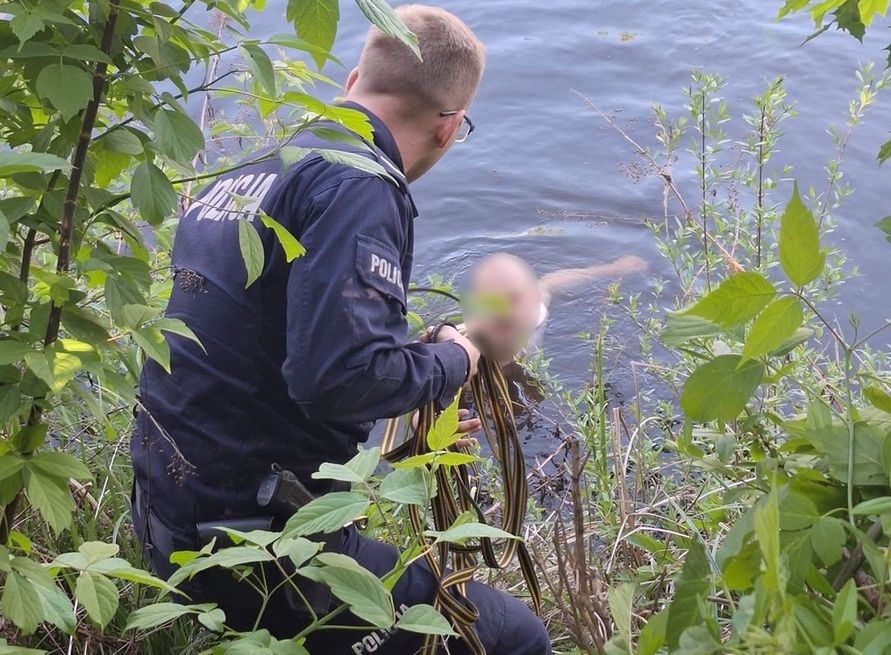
(347, 356)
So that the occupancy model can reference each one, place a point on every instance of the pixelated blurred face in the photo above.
(504, 310)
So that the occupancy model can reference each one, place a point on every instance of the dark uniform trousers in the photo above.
(506, 626)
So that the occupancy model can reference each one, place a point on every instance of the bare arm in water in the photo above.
(570, 278)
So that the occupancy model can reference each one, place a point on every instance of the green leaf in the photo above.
(773, 327)
(652, 635)
(353, 160)
(738, 299)
(414, 486)
(358, 469)
(288, 241)
(24, 26)
(767, 533)
(797, 511)
(12, 162)
(439, 458)
(298, 550)
(61, 465)
(151, 616)
(251, 251)
(152, 193)
(800, 254)
(98, 595)
(828, 537)
(152, 341)
(10, 464)
(69, 88)
(177, 135)
(691, 589)
(878, 398)
(471, 530)
(621, 606)
(844, 612)
(21, 603)
(444, 432)
(51, 498)
(357, 586)
(426, 620)
(327, 513)
(388, 21)
(869, 9)
(720, 389)
(261, 66)
(885, 150)
(316, 23)
(12, 352)
(873, 506)
(57, 608)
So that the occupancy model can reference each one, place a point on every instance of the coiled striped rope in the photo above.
(455, 496)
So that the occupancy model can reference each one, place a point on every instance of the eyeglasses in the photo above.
(467, 126)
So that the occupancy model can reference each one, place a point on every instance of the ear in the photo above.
(447, 128)
(351, 79)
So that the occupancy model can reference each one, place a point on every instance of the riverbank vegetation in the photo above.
(738, 503)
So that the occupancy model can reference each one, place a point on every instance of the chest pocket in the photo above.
(379, 267)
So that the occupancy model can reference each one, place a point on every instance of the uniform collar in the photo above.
(383, 138)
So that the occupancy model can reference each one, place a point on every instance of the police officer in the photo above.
(295, 368)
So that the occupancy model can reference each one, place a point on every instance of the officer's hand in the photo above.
(448, 333)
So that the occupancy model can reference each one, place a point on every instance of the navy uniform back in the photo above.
(295, 368)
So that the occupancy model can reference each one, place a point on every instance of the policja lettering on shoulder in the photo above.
(387, 270)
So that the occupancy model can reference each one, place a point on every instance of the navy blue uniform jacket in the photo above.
(299, 365)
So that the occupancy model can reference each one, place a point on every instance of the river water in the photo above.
(542, 176)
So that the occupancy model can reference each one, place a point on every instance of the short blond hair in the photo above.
(452, 65)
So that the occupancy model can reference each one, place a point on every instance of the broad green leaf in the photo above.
(152, 341)
(298, 550)
(439, 458)
(51, 498)
(261, 66)
(358, 469)
(426, 620)
(12, 352)
(772, 328)
(884, 152)
(61, 465)
(472, 530)
(214, 620)
(444, 432)
(12, 162)
(177, 135)
(797, 511)
(316, 23)
(357, 586)
(737, 300)
(21, 603)
(691, 588)
(844, 612)
(152, 193)
(69, 88)
(878, 398)
(869, 9)
(414, 486)
(98, 595)
(873, 506)
(380, 13)
(353, 160)
(720, 389)
(800, 254)
(621, 606)
(327, 513)
(10, 464)
(25, 25)
(652, 635)
(155, 614)
(828, 538)
(289, 243)
(251, 251)
(57, 608)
